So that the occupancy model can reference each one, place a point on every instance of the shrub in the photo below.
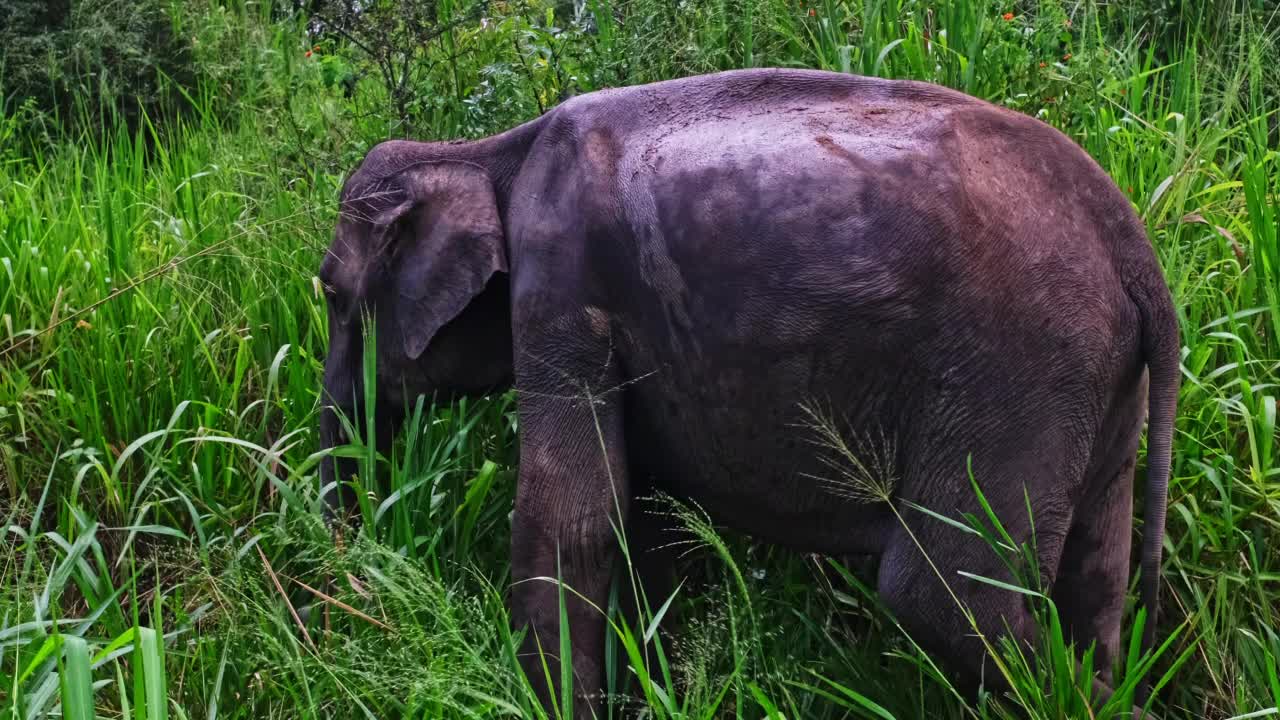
(84, 65)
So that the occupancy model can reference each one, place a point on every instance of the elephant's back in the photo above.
(783, 140)
(887, 198)
(774, 208)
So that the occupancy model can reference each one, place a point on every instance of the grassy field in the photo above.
(162, 340)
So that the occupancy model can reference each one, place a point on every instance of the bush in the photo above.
(85, 65)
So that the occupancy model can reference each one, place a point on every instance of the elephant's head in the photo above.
(419, 253)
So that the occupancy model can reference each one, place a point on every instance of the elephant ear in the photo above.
(446, 242)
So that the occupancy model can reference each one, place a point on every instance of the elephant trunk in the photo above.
(339, 499)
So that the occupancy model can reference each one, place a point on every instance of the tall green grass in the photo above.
(163, 338)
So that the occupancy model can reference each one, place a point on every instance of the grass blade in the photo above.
(77, 681)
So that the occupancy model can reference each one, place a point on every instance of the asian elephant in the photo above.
(669, 273)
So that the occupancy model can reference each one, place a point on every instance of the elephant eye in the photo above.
(337, 301)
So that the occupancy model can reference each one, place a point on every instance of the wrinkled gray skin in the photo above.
(703, 256)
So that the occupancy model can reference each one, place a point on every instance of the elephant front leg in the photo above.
(572, 494)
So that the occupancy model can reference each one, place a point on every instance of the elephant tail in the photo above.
(1161, 343)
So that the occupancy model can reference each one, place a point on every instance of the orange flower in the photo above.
(1044, 64)
(1007, 16)
(308, 53)
(1066, 57)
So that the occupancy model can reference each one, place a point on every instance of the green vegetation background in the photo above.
(168, 175)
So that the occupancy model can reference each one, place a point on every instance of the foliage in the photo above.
(161, 343)
(401, 44)
(85, 64)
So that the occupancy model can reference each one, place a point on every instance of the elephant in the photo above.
(669, 274)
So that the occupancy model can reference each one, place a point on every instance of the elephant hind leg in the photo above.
(650, 575)
(930, 614)
(911, 581)
(1089, 591)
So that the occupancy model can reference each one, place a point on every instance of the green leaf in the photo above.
(846, 697)
(47, 649)
(999, 584)
(771, 710)
(77, 682)
(566, 648)
(151, 653)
